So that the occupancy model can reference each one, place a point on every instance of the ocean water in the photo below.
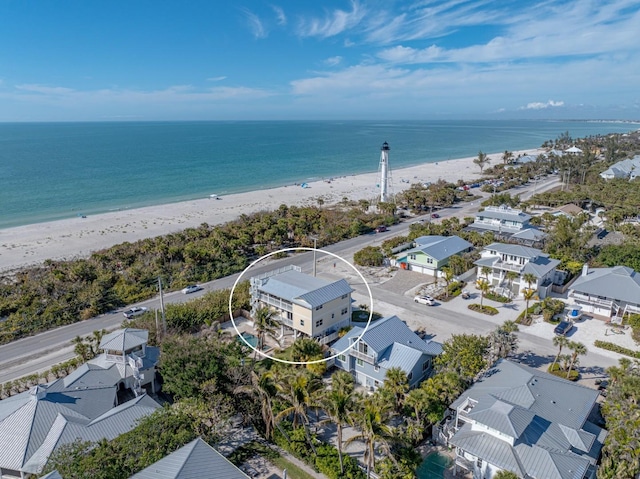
(51, 171)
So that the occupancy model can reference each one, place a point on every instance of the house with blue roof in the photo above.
(519, 419)
(306, 304)
(387, 343)
(430, 253)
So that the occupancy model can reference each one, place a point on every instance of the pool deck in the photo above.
(426, 448)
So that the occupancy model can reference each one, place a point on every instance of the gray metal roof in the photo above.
(618, 283)
(540, 266)
(545, 415)
(623, 169)
(515, 249)
(394, 343)
(440, 247)
(52, 475)
(530, 234)
(196, 460)
(301, 288)
(503, 213)
(124, 339)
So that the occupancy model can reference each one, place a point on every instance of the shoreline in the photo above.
(78, 237)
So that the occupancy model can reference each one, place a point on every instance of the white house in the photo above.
(501, 258)
(629, 168)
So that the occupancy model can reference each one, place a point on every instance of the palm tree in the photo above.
(486, 271)
(447, 275)
(265, 326)
(396, 382)
(418, 400)
(511, 276)
(560, 342)
(528, 294)
(338, 405)
(482, 160)
(301, 391)
(578, 349)
(529, 278)
(308, 350)
(507, 157)
(263, 389)
(484, 287)
(369, 419)
(503, 341)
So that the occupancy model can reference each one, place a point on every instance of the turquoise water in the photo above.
(250, 338)
(59, 170)
(433, 466)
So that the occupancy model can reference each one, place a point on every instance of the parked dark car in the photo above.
(381, 229)
(435, 215)
(563, 328)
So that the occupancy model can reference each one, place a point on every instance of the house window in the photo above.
(319, 323)
(376, 383)
(426, 365)
(302, 322)
(333, 315)
(363, 347)
(344, 311)
(429, 260)
(318, 308)
(289, 315)
(410, 376)
(359, 362)
(342, 358)
(376, 368)
(344, 296)
(479, 462)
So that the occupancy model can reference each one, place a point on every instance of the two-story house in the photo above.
(508, 224)
(609, 293)
(501, 258)
(386, 344)
(430, 253)
(101, 399)
(519, 419)
(306, 304)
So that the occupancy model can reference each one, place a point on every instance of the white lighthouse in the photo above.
(385, 173)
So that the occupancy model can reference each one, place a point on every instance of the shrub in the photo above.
(369, 256)
(616, 348)
(490, 310)
(557, 370)
(328, 463)
(493, 296)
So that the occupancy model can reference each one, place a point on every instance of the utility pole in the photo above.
(164, 318)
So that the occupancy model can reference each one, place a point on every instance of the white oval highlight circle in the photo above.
(284, 250)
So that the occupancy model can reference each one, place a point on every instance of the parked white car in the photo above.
(135, 311)
(424, 299)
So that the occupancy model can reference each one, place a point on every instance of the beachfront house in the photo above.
(304, 304)
(101, 399)
(501, 258)
(629, 168)
(520, 419)
(386, 344)
(608, 293)
(430, 253)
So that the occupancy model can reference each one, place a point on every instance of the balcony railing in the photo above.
(365, 357)
(591, 299)
(275, 302)
(118, 358)
(508, 266)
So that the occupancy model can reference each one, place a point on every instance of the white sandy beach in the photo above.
(79, 237)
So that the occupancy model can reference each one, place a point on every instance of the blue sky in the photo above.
(99, 60)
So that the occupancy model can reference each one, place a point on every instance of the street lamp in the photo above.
(315, 242)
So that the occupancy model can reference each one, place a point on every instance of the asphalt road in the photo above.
(38, 353)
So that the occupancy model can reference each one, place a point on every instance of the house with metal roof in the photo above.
(519, 419)
(430, 253)
(194, 460)
(91, 403)
(306, 304)
(386, 343)
(609, 293)
(629, 168)
(502, 258)
(507, 224)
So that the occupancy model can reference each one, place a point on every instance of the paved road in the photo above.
(37, 353)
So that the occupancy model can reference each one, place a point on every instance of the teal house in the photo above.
(431, 253)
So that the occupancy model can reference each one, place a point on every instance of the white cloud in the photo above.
(46, 90)
(334, 23)
(280, 16)
(333, 61)
(536, 105)
(255, 24)
(220, 78)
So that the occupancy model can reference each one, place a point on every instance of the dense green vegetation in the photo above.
(62, 292)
